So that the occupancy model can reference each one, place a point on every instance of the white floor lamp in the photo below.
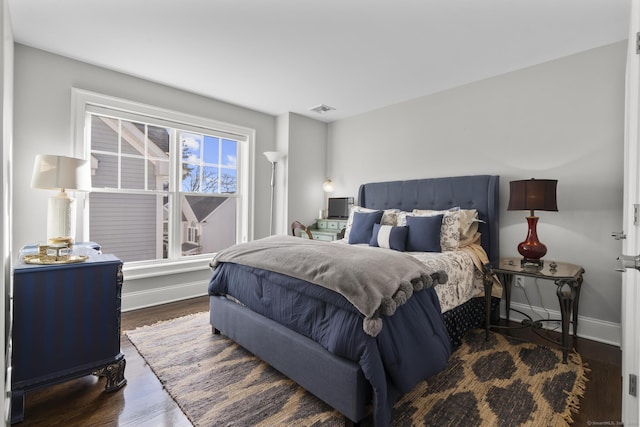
(61, 173)
(273, 157)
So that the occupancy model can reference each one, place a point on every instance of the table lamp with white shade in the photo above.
(61, 173)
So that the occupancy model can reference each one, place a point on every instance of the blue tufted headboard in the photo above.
(479, 192)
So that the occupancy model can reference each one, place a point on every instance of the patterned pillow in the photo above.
(389, 237)
(401, 218)
(388, 218)
(468, 227)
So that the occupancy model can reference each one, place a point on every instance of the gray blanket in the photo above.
(376, 281)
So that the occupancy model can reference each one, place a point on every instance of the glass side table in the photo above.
(568, 280)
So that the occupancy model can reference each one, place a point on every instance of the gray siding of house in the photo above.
(133, 216)
(135, 219)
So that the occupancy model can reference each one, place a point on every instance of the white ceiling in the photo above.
(279, 56)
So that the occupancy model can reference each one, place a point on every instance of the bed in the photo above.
(330, 367)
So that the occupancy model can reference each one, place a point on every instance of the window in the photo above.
(166, 187)
(193, 233)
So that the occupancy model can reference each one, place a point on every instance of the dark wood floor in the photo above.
(143, 402)
(602, 402)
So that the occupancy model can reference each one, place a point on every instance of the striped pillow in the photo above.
(389, 237)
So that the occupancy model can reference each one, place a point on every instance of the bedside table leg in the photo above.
(507, 281)
(488, 285)
(575, 306)
(114, 374)
(566, 297)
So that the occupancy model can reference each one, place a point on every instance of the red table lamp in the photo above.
(533, 195)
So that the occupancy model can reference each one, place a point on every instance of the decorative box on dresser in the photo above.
(328, 229)
(66, 324)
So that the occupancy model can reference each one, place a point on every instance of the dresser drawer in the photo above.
(333, 225)
(327, 237)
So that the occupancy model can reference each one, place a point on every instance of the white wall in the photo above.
(302, 172)
(562, 119)
(282, 175)
(307, 168)
(43, 83)
(6, 70)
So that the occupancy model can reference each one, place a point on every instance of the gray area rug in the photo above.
(500, 382)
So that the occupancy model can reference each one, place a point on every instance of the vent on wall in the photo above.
(321, 109)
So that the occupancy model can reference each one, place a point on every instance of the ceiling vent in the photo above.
(321, 109)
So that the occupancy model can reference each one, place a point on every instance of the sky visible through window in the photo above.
(208, 163)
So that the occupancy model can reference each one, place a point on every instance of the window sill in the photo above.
(136, 271)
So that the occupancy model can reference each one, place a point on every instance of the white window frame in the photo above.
(81, 100)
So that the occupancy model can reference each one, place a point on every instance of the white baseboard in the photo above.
(163, 295)
(589, 328)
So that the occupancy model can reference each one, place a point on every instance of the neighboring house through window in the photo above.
(165, 186)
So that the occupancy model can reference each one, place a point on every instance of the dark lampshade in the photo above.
(531, 195)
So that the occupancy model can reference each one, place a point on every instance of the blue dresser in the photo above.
(66, 324)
